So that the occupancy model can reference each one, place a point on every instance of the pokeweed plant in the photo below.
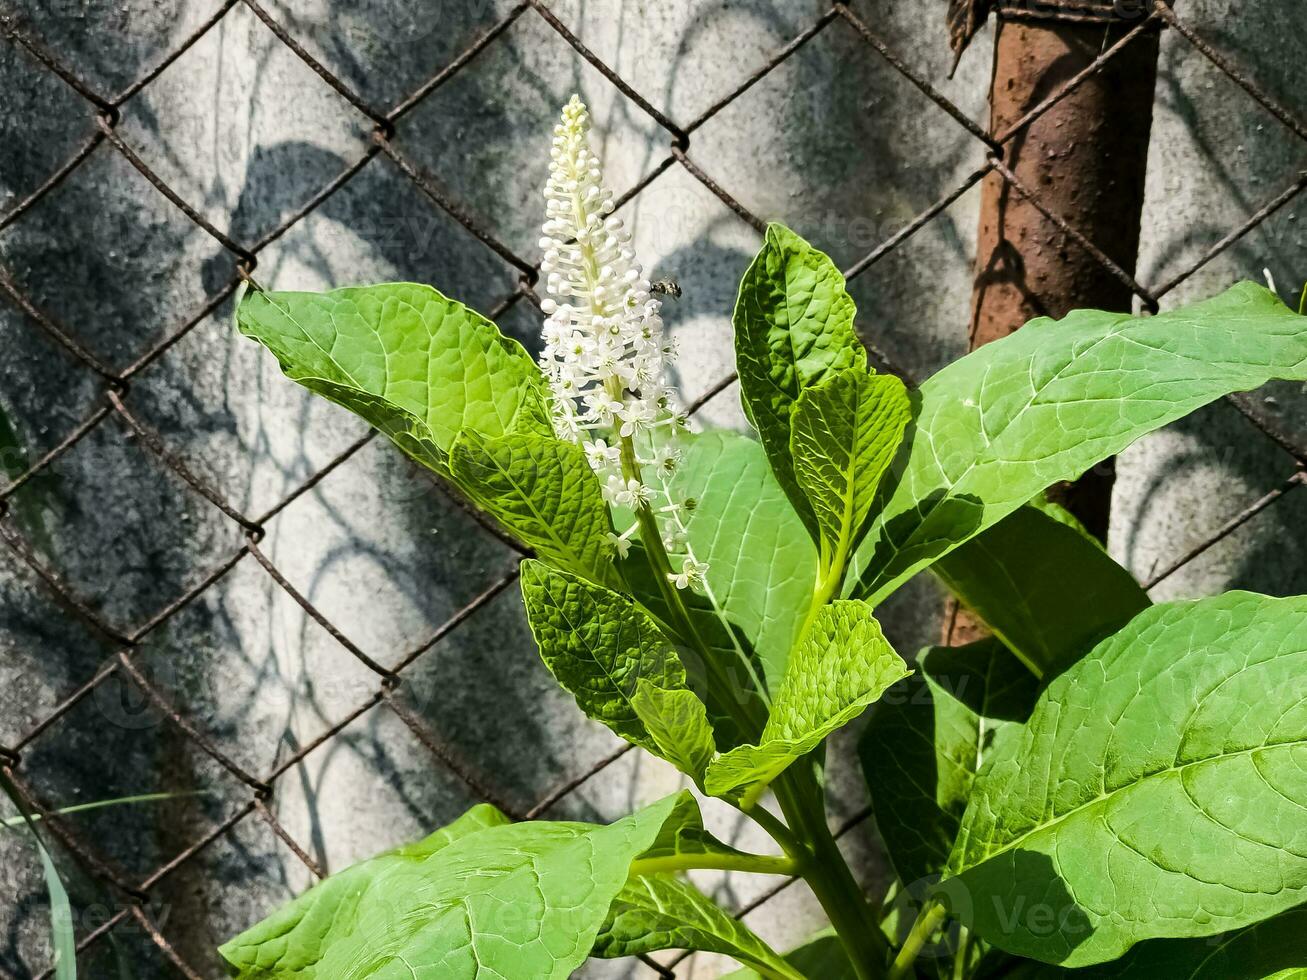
(1104, 783)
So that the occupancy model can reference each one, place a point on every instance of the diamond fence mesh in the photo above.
(137, 907)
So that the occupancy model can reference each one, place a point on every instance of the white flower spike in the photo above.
(605, 353)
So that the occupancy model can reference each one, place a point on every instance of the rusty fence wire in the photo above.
(381, 150)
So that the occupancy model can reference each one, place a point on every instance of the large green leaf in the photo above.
(608, 653)
(412, 362)
(999, 425)
(926, 740)
(660, 911)
(1043, 585)
(844, 432)
(542, 490)
(793, 325)
(517, 900)
(1158, 789)
(842, 664)
(761, 562)
(294, 940)
(1273, 949)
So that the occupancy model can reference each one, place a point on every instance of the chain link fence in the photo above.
(373, 674)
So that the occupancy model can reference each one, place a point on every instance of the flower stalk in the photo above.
(606, 358)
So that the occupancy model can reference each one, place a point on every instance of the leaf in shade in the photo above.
(1273, 949)
(1044, 585)
(1157, 790)
(927, 739)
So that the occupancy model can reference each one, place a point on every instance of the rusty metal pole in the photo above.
(1084, 160)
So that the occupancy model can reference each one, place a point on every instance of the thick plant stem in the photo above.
(807, 839)
(928, 920)
(828, 875)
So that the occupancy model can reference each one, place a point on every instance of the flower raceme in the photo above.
(605, 353)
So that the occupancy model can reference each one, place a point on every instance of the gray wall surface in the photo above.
(833, 142)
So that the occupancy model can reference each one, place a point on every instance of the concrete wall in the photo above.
(834, 143)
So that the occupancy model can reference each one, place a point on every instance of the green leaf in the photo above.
(63, 938)
(999, 425)
(659, 911)
(842, 665)
(1273, 949)
(683, 833)
(295, 939)
(677, 723)
(844, 432)
(1158, 789)
(793, 325)
(608, 653)
(761, 562)
(927, 739)
(821, 958)
(544, 492)
(415, 364)
(1043, 585)
(505, 900)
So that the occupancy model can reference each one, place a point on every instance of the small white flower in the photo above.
(667, 458)
(602, 457)
(626, 493)
(692, 573)
(673, 539)
(620, 543)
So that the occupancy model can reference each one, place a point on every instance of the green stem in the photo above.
(11, 822)
(828, 875)
(960, 957)
(822, 593)
(761, 864)
(830, 580)
(652, 539)
(928, 920)
(779, 832)
(807, 840)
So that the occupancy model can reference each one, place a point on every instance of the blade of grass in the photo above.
(11, 822)
(62, 937)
